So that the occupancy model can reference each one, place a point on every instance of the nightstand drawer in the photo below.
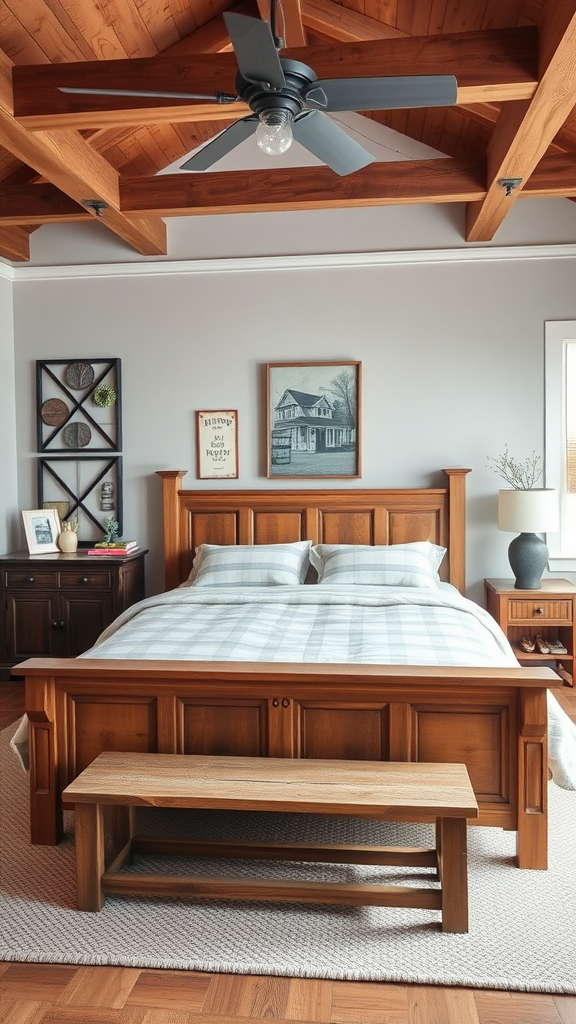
(17, 579)
(546, 610)
(94, 580)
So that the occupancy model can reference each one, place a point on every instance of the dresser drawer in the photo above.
(543, 609)
(17, 579)
(99, 580)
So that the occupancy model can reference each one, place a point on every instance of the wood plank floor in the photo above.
(65, 994)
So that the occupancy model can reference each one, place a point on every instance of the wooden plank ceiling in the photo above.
(515, 62)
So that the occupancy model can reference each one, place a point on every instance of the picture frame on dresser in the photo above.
(313, 419)
(42, 529)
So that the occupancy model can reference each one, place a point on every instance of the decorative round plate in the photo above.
(104, 396)
(77, 435)
(79, 375)
(54, 412)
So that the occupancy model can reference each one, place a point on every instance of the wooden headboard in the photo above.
(351, 516)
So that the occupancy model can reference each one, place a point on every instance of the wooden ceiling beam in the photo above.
(14, 243)
(525, 130)
(68, 161)
(304, 188)
(342, 24)
(391, 183)
(493, 66)
(38, 204)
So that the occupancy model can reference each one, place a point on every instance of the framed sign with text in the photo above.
(217, 444)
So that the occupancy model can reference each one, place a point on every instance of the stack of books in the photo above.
(118, 547)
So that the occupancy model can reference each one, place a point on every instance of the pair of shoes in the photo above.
(556, 647)
(527, 644)
(542, 644)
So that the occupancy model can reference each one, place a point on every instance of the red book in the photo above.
(110, 551)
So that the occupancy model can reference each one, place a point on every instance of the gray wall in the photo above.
(452, 356)
(9, 508)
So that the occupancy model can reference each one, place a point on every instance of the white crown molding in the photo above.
(7, 271)
(325, 261)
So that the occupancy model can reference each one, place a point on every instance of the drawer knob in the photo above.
(275, 702)
(538, 611)
(285, 702)
(84, 579)
(30, 579)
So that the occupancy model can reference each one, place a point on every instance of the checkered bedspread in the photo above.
(361, 625)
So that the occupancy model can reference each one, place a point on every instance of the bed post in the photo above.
(457, 520)
(171, 484)
(46, 824)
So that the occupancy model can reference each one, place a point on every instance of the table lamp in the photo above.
(528, 513)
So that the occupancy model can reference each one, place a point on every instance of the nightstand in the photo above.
(551, 612)
(56, 606)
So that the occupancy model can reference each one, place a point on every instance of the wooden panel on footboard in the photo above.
(492, 720)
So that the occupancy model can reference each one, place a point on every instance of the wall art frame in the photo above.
(42, 529)
(313, 419)
(79, 405)
(217, 444)
(80, 481)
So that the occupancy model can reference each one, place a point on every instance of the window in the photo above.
(560, 341)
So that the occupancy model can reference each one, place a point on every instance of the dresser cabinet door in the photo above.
(32, 625)
(85, 616)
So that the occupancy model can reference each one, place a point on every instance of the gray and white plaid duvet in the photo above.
(361, 625)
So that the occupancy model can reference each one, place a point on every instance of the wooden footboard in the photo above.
(492, 720)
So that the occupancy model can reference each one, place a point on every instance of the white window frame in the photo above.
(557, 336)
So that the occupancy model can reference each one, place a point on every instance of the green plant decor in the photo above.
(104, 396)
(111, 528)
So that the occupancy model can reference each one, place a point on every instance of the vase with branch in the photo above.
(68, 539)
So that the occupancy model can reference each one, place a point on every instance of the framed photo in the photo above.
(313, 419)
(217, 444)
(42, 528)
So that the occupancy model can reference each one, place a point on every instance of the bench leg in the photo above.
(122, 824)
(89, 839)
(453, 869)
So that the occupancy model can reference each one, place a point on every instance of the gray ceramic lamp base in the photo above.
(528, 557)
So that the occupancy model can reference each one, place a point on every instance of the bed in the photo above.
(491, 717)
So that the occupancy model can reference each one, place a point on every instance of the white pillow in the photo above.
(392, 565)
(251, 565)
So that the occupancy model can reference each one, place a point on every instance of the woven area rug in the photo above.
(522, 923)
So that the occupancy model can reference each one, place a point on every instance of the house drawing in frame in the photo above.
(313, 419)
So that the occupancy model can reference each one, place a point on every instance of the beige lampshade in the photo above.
(533, 511)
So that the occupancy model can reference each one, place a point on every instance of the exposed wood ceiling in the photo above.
(515, 62)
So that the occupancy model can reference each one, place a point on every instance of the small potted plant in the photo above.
(68, 539)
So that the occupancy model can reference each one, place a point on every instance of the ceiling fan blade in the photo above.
(320, 136)
(255, 51)
(219, 97)
(222, 144)
(383, 93)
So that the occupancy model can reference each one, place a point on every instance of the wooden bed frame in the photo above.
(492, 720)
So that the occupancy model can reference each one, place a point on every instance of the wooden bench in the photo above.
(365, 789)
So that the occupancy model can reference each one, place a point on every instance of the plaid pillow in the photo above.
(393, 565)
(251, 565)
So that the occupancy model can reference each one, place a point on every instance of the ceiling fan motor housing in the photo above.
(260, 96)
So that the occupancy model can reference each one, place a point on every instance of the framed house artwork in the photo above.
(42, 529)
(313, 419)
(217, 444)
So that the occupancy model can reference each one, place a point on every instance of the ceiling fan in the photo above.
(287, 101)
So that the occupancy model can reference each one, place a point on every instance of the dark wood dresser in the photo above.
(57, 605)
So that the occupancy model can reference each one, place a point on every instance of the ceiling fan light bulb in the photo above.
(274, 133)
